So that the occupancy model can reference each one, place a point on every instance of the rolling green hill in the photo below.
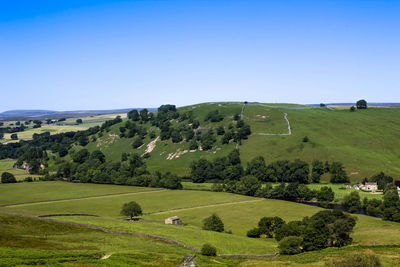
(365, 141)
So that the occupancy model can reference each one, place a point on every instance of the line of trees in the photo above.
(93, 167)
(229, 168)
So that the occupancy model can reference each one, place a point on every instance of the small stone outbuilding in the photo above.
(173, 220)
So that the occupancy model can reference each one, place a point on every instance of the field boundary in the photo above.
(77, 198)
(205, 205)
(165, 239)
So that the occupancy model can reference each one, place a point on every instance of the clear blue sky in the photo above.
(66, 55)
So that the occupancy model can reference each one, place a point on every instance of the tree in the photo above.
(131, 209)
(1, 135)
(234, 157)
(14, 136)
(213, 223)
(352, 109)
(248, 185)
(133, 115)
(98, 155)
(316, 235)
(254, 233)
(361, 104)
(171, 181)
(207, 140)
(290, 245)
(325, 194)
(338, 174)
(81, 156)
(137, 142)
(7, 177)
(208, 250)
(195, 124)
(79, 121)
(176, 136)
(352, 202)
(306, 139)
(268, 225)
(257, 168)
(317, 171)
(220, 130)
(322, 105)
(193, 144)
(144, 115)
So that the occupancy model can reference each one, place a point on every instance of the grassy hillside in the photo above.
(366, 141)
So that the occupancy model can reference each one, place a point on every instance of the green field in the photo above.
(240, 213)
(52, 242)
(59, 127)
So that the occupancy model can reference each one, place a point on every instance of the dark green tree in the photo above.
(338, 174)
(361, 104)
(317, 171)
(131, 209)
(352, 202)
(7, 177)
(213, 223)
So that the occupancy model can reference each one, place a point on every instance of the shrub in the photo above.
(217, 187)
(7, 177)
(290, 245)
(28, 179)
(254, 233)
(208, 250)
(213, 223)
(356, 260)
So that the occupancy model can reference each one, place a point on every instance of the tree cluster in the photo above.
(328, 228)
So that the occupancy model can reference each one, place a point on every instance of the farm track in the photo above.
(206, 205)
(78, 198)
(161, 238)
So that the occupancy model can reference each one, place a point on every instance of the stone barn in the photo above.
(173, 220)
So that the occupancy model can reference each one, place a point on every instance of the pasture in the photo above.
(239, 213)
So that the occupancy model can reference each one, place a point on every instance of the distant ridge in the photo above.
(40, 114)
(348, 103)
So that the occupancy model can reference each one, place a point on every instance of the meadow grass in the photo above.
(45, 191)
(242, 214)
(110, 206)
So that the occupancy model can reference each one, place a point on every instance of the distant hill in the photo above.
(42, 114)
(365, 141)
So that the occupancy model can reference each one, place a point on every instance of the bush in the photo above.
(217, 187)
(208, 250)
(213, 223)
(7, 177)
(28, 179)
(356, 260)
(290, 245)
(254, 233)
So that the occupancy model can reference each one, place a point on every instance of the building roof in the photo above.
(173, 218)
(373, 183)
